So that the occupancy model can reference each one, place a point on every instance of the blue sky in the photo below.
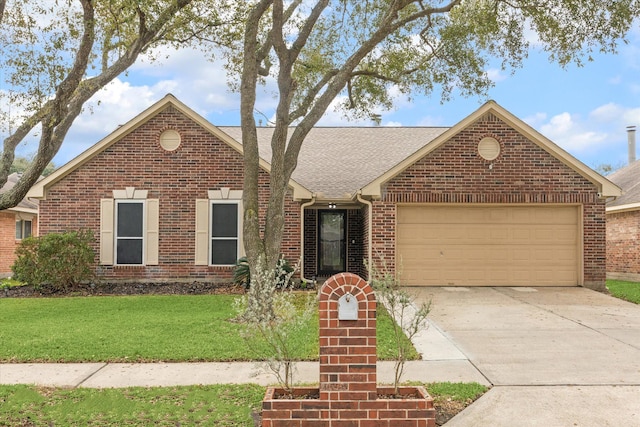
(584, 110)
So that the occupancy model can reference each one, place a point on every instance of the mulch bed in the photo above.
(102, 289)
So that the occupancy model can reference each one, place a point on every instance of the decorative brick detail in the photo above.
(348, 393)
(347, 347)
(523, 173)
(623, 245)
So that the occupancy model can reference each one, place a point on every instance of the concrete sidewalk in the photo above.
(109, 375)
(441, 361)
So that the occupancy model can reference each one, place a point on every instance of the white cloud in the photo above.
(573, 133)
(392, 124)
(559, 124)
(432, 121)
(607, 112)
(496, 75)
(601, 135)
(536, 120)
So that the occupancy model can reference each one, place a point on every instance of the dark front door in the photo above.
(331, 242)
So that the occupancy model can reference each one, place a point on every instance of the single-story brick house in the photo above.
(488, 201)
(16, 224)
(623, 226)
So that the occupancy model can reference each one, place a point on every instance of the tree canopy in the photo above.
(22, 163)
(56, 54)
(364, 53)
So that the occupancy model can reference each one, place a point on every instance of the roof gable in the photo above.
(605, 187)
(39, 190)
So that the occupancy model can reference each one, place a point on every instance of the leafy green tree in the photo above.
(56, 54)
(355, 54)
(21, 164)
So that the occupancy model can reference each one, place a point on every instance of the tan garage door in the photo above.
(489, 245)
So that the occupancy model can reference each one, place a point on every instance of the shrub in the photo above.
(242, 274)
(273, 318)
(59, 260)
(408, 319)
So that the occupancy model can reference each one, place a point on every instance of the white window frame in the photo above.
(117, 203)
(238, 237)
(22, 223)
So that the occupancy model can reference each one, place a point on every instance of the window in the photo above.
(23, 229)
(224, 233)
(129, 229)
(218, 228)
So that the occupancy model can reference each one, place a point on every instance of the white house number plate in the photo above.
(347, 307)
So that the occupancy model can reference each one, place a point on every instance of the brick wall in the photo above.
(348, 395)
(7, 242)
(623, 245)
(177, 179)
(355, 256)
(523, 173)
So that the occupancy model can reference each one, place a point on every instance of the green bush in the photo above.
(242, 274)
(58, 260)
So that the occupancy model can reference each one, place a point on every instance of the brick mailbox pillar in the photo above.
(348, 391)
(347, 312)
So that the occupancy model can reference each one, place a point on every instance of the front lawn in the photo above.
(145, 328)
(213, 405)
(629, 291)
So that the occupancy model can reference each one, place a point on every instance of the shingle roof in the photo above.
(627, 178)
(335, 162)
(12, 180)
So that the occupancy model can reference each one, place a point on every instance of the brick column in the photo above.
(348, 396)
(347, 347)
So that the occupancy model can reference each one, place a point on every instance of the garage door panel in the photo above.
(509, 245)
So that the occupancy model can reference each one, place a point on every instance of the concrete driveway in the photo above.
(555, 356)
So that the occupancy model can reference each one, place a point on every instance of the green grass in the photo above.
(461, 392)
(629, 291)
(216, 405)
(219, 405)
(140, 329)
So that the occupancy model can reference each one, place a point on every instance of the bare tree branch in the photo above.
(58, 114)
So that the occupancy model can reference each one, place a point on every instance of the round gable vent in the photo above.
(489, 148)
(170, 140)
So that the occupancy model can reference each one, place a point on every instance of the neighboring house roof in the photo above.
(627, 178)
(339, 162)
(25, 205)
